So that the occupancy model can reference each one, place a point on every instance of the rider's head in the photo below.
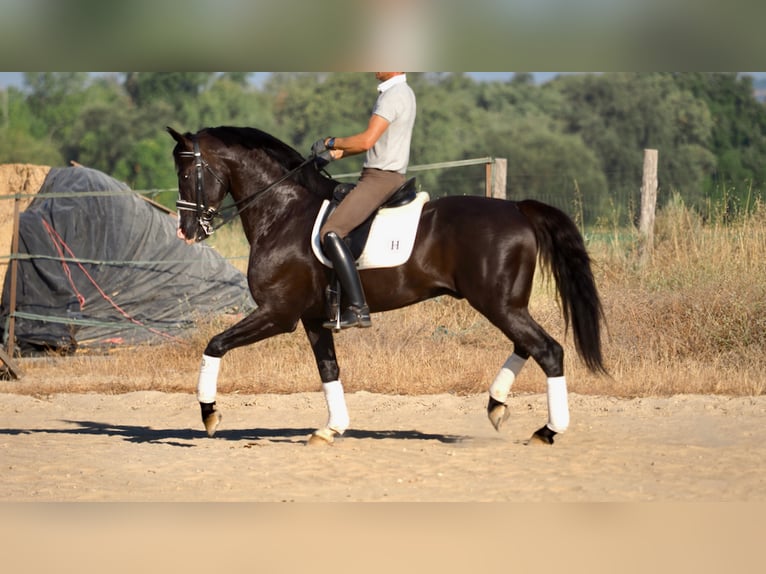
(383, 76)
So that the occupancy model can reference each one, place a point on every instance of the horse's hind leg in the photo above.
(497, 409)
(531, 339)
(323, 346)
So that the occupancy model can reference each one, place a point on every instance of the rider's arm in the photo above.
(360, 142)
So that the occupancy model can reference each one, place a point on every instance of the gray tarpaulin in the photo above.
(107, 269)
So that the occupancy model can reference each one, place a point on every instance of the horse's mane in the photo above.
(286, 156)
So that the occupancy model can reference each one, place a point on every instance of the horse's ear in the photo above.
(176, 136)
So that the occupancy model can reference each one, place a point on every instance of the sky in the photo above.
(15, 79)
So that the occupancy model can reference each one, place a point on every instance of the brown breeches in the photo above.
(374, 187)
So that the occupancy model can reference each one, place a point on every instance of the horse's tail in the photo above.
(562, 252)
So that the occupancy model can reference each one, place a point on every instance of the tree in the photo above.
(447, 128)
(459, 118)
(551, 166)
(176, 88)
(104, 130)
(56, 99)
(227, 102)
(18, 142)
(589, 129)
(620, 115)
(309, 106)
(18, 146)
(738, 135)
(240, 78)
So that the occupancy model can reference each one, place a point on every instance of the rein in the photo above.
(206, 215)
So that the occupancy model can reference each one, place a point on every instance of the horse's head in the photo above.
(202, 185)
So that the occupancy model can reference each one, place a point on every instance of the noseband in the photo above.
(205, 215)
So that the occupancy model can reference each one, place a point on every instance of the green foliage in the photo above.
(310, 105)
(56, 100)
(739, 130)
(148, 168)
(19, 130)
(173, 87)
(620, 115)
(576, 141)
(229, 103)
(551, 166)
(17, 146)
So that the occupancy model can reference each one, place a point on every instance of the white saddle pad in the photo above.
(392, 235)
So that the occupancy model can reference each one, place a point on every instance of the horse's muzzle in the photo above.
(180, 234)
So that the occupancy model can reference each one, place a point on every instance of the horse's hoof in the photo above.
(543, 435)
(322, 437)
(211, 423)
(497, 412)
(211, 418)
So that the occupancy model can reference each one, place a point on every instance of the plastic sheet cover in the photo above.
(101, 270)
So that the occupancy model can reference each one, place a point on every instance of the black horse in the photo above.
(483, 250)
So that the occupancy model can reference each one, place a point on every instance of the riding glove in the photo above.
(321, 153)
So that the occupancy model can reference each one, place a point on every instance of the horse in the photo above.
(483, 250)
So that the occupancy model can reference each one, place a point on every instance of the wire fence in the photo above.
(465, 177)
(560, 189)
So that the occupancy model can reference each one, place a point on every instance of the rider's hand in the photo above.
(321, 154)
(318, 147)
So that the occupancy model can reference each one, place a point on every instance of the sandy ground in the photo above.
(150, 446)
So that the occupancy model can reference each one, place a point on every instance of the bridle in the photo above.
(206, 214)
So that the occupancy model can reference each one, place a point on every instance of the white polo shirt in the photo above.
(396, 104)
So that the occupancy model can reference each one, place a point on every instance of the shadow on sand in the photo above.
(174, 437)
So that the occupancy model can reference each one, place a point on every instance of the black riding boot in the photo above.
(356, 314)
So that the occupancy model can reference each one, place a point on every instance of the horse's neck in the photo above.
(287, 208)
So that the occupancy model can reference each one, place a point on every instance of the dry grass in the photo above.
(691, 319)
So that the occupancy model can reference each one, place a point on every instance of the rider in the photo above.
(387, 143)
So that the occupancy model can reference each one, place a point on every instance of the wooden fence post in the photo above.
(496, 176)
(648, 202)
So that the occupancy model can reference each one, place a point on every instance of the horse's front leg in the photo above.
(323, 346)
(260, 324)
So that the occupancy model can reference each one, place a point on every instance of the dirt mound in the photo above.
(15, 178)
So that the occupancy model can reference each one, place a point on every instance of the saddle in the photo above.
(357, 239)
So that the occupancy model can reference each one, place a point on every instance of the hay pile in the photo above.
(15, 178)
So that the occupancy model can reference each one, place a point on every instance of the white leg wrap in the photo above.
(558, 404)
(336, 405)
(208, 379)
(501, 386)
